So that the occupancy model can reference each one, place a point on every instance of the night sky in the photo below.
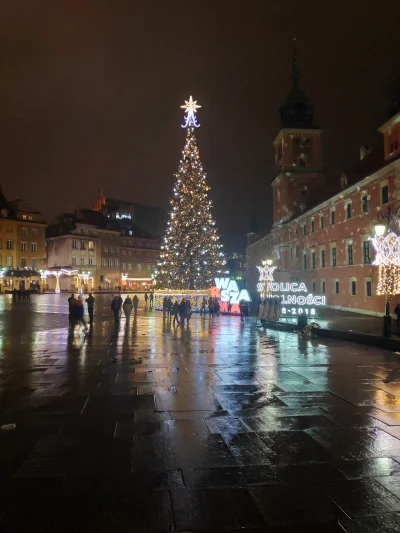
(90, 95)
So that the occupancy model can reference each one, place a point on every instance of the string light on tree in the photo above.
(191, 254)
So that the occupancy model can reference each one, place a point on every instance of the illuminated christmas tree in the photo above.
(191, 254)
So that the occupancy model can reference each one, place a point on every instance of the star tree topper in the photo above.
(191, 108)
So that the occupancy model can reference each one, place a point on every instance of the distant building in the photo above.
(319, 236)
(114, 250)
(22, 235)
(148, 218)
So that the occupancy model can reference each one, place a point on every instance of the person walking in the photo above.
(175, 312)
(135, 303)
(242, 306)
(90, 307)
(146, 297)
(203, 308)
(116, 308)
(211, 305)
(151, 299)
(229, 308)
(127, 307)
(71, 305)
(183, 311)
(397, 311)
(79, 310)
(189, 311)
(164, 306)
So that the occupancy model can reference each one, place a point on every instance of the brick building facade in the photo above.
(319, 238)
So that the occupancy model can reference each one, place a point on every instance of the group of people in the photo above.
(21, 296)
(77, 310)
(117, 306)
(148, 298)
(179, 311)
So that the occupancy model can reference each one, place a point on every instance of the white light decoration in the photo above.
(191, 108)
(266, 278)
(388, 259)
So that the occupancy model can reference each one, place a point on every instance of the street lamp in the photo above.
(380, 229)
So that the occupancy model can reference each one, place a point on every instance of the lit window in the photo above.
(91, 245)
(24, 217)
(4, 213)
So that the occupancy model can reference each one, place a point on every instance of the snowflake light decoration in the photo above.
(265, 280)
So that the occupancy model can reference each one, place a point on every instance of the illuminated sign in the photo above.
(123, 215)
(290, 297)
(227, 292)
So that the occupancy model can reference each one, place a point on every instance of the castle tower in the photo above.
(99, 202)
(298, 154)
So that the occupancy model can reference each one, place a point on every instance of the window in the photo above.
(313, 285)
(364, 203)
(385, 194)
(332, 217)
(23, 231)
(130, 232)
(130, 253)
(24, 217)
(9, 228)
(23, 246)
(323, 287)
(333, 255)
(4, 213)
(129, 266)
(123, 252)
(304, 261)
(304, 229)
(104, 249)
(322, 258)
(9, 261)
(349, 254)
(312, 225)
(116, 250)
(90, 261)
(9, 245)
(33, 263)
(82, 261)
(149, 268)
(33, 247)
(91, 245)
(368, 288)
(74, 243)
(139, 267)
(22, 262)
(110, 249)
(83, 245)
(109, 262)
(82, 231)
(321, 221)
(297, 251)
(123, 267)
(312, 259)
(291, 253)
(34, 232)
(74, 261)
(103, 262)
(116, 262)
(337, 287)
(366, 255)
(348, 210)
(353, 287)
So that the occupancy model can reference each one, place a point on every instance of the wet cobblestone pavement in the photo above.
(221, 427)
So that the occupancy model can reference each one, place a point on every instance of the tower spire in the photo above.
(295, 64)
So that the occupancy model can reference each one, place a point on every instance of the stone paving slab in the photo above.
(220, 427)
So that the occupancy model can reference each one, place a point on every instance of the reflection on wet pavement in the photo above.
(217, 427)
